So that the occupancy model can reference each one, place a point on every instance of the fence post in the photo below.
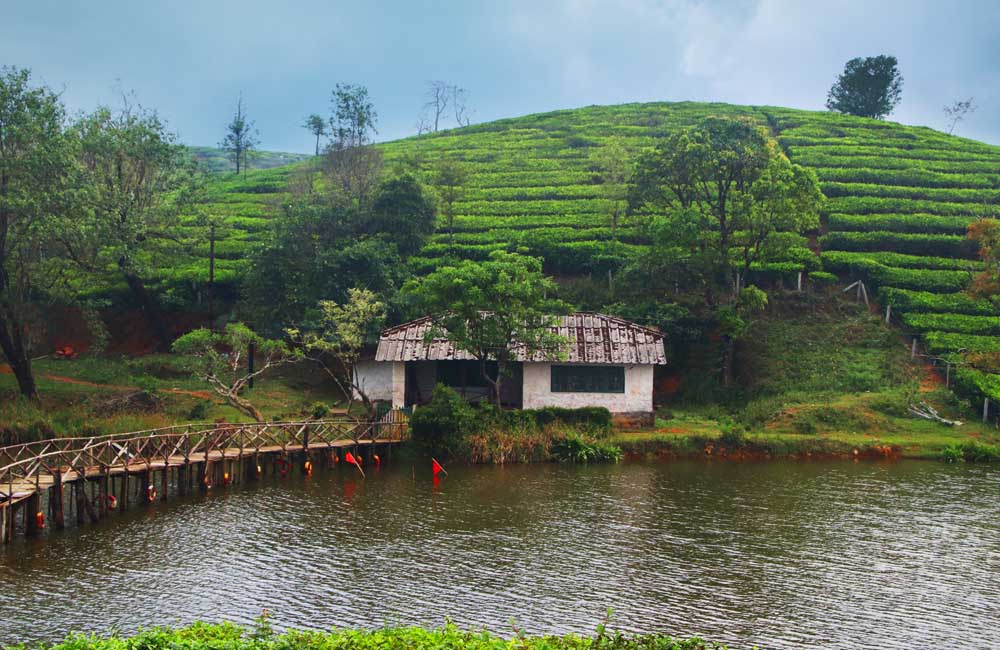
(888, 313)
(986, 409)
(913, 349)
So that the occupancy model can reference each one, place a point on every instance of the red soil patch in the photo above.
(931, 380)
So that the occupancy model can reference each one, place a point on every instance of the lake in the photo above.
(779, 554)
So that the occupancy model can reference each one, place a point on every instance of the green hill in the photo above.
(900, 198)
(217, 160)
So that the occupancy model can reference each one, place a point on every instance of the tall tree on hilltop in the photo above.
(317, 126)
(138, 177)
(438, 96)
(354, 117)
(868, 87)
(37, 189)
(723, 198)
(352, 164)
(958, 111)
(492, 310)
(241, 137)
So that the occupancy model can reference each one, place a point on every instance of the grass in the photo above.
(823, 376)
(202, 636)
(101, 395)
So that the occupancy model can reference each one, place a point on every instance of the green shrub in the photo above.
(319, 410)
(199, 412)
(970, 452)
(593, 418)
(574, 449)
(442, 425)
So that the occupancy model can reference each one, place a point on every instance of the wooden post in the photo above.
(986, 409)
(888, 313)
(182, 477)
(79, 498)
(123, 489)
(105, 490)
(166, 479)
(798, 283)
(58, 519)
(6, 524)
(202, 475)
(31, 507)
(913, 348)
(947, 374)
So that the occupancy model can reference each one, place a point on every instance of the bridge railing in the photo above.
(27, 462)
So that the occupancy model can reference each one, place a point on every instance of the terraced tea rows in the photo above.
(899, 201)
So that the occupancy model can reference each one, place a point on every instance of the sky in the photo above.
(191, 59)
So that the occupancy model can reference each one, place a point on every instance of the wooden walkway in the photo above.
(116, 472)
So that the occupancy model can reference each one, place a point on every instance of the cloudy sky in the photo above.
(190, 59)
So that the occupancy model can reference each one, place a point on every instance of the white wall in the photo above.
(637, 398)
(375, 378)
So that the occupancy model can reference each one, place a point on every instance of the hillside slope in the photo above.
(900, 198)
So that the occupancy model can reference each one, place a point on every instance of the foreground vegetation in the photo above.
(201, 636)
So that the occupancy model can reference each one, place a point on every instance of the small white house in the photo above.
(608, 362)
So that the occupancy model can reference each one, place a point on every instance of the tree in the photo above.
(336, 337)
(354, 117)
(352, 165)
(614, 167)
(958, 112)
(986, 284)
(317, 126)
(315, 252)
(241, 138)
(221, 359)
(136, 176)
(37, 188)
(401, 213)
(868, 87)
(353, 173)
(460, 106)
(494, 310)
(449, 180)
(438, 96)
(723, 198)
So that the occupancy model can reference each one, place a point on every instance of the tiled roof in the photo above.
(593, 338)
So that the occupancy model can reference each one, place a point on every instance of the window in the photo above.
(588, 379)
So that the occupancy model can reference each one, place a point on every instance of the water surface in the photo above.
(777, 554)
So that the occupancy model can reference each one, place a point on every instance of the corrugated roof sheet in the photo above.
(593, 338)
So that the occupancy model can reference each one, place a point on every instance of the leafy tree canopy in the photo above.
(491, 309)
(221, 360)
(868, 87)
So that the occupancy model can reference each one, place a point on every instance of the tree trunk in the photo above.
(728, 359)
(493, 384)
(16, 353)
(243, 405)
(149, 308)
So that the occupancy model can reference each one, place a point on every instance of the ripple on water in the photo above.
(778, 554)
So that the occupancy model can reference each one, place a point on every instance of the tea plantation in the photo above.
(899, 201)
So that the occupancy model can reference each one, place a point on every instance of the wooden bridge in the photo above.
(116, 472)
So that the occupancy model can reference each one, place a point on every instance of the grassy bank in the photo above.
(94, 395)
(694, 434)
(202, 636)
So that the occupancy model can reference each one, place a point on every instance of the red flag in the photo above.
(349, 457)
(436, 467)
